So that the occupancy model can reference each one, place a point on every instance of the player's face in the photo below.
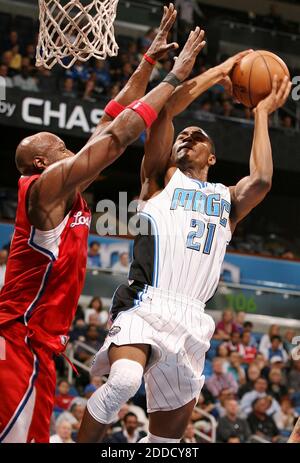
(60, 151)
(192, 147)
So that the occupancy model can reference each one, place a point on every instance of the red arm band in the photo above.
(149, 59)
(144, 111)
(113, 109)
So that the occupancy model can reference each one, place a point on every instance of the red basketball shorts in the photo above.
(27, 387)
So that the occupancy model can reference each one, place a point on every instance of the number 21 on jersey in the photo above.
(198, 233)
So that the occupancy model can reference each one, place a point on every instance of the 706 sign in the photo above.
(240, 303)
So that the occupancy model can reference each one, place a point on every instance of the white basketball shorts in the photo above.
(179, 332)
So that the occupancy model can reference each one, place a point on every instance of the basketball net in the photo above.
(72, 30)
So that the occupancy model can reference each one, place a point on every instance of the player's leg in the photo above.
(18, 376)
(169, 426)
(39, 430)
(125, 377)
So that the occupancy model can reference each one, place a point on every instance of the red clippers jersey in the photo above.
(45, 272)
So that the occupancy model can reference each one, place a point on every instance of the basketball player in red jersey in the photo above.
(47, 260)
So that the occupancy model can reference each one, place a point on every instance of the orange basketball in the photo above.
(252, 77)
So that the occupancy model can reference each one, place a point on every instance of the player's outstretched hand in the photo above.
(277, 97)
(227, 67)
(186, 60)
(160, 44)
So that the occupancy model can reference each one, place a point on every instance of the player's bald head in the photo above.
(35, 153)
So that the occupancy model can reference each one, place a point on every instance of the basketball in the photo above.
(252, 77)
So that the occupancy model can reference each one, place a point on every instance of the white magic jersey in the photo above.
(190, 227)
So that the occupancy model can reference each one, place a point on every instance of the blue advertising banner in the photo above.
(261, 271)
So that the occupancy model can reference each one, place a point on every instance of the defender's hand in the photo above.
(186, 60)
(226, 67)
(277, 97)
(160, 45)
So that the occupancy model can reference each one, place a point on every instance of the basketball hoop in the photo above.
(72, 30)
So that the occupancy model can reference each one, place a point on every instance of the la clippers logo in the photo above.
(80, 219)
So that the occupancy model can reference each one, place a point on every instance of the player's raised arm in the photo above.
(59, 182)
(136, 86)
(160, 139)
(251, 190)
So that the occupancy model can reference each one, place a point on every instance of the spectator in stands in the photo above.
(246, 351)
(286, 417)
(260, 423)
(265, 342)
(236, 369)
(6, 59)
(240, 320)
(5, 76)
(263, 364)
(129, 433)
(63, 398)
(79, 72)
(73, 416)
(63, 434)
(276, 388)
(118, 424)
(16, 60)
(94, 338)
(233, 344)
(252, 374)
(226, 326)
(231, 425)
(189, 436)
(287, 123)
(90, 90)
(11, 41)
(94, 255)
(25, 81)
(220, 380)
(30, 53)
(122, 265)
(102, 74)
(222, 352)
(79, 315)
(96, 308)
(259, 391)
(68, 90)
(276, 349)
(225, 394)
(288, 340)
(294, 377)
(3, 261)
(206, 402)
(248, 326)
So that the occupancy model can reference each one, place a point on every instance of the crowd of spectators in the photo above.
(252, 385)
(104, 79)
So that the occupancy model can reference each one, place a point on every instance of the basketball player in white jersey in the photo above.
(160, 328)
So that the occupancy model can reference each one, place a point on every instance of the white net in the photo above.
(72, 30)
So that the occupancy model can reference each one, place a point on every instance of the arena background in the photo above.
(260, 280)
